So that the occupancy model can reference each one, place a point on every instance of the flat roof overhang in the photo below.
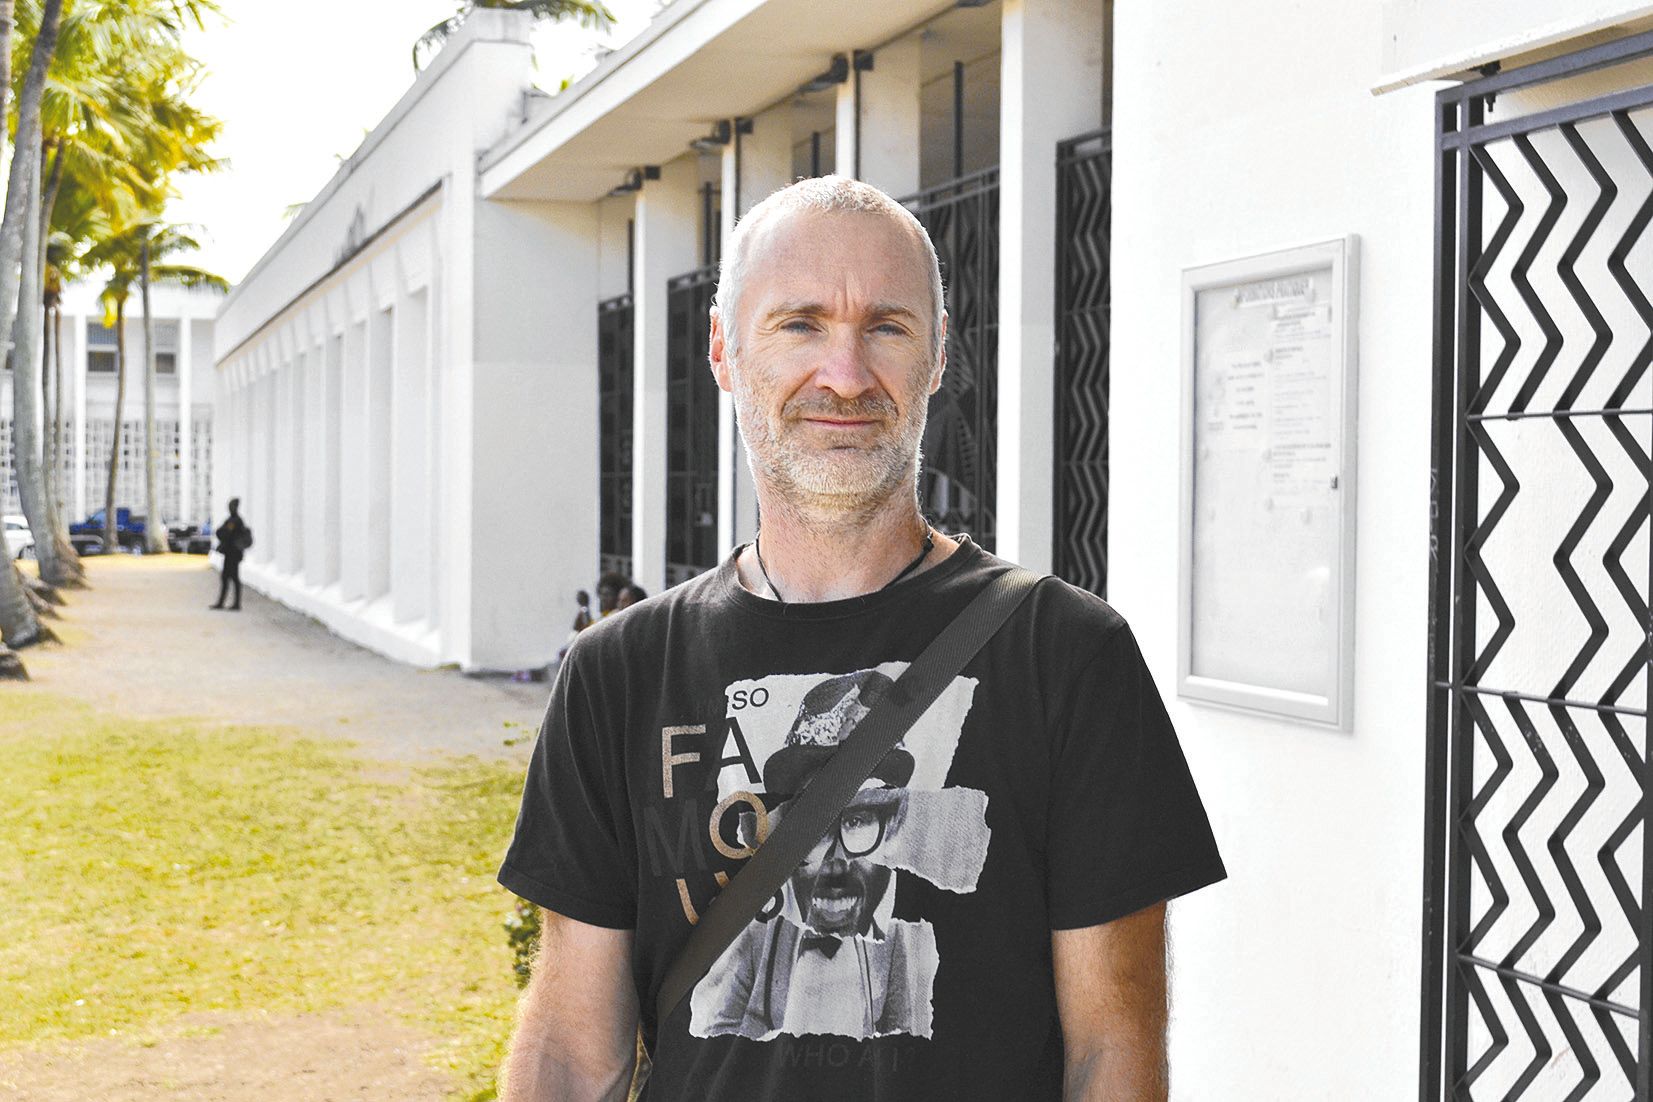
(699, 61)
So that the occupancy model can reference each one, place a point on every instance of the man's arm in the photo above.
(1110, 993)
(577, 1022)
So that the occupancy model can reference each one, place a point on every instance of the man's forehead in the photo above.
(798, 248)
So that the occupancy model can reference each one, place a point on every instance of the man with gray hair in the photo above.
(1001, 880)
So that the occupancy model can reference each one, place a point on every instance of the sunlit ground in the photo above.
(153, 868)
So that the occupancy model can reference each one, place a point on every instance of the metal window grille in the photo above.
(1084, 202)
(200, 468)
(1536, 929)
(959, 480)
(691, 428)
(614, 411)
(11, 502)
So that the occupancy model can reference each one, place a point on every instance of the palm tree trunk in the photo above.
(110, 537)
(22, 191)
(19, 626)
(154, 532)
(59, 565)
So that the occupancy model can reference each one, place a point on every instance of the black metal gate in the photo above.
(691, 428)
(615, 372)
(1536, 933)
(1084, 203)
(959, 479)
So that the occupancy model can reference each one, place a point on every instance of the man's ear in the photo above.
(941, 355)
(715, 354)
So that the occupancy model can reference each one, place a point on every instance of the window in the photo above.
(166, 347)
(166, 363)
(102, 356)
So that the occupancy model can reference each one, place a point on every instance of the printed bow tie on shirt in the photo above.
(826, 943)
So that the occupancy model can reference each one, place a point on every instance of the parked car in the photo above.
(19, 540)
(87, 536)
(190, 539)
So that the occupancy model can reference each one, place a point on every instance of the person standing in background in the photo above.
(234, 538)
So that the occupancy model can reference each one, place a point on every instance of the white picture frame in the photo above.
(1267, 512)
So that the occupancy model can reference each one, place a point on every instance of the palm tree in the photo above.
(126, 255)
(121, 126)
(588, 13)
(19, 233)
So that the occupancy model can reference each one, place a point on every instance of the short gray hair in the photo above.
(818, 195)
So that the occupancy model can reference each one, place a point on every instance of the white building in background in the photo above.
(471, 374)
(185, 384)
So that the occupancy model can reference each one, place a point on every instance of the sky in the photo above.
(299, 84)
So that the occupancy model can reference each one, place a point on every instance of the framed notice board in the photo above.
(1266, 602)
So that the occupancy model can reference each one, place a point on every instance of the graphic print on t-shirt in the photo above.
(828, 955)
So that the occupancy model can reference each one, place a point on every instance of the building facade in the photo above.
(91, 367)
(473, 373)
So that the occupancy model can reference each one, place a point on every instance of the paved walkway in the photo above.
(142, 640)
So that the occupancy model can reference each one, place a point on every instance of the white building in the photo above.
(90, 365)
(1406, 648)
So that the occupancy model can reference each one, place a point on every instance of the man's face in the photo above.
(606, 596)
(839, 885)
(837, 355)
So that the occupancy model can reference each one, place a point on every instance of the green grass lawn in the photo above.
(153, 868)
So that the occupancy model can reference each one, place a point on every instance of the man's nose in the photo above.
(844, 368)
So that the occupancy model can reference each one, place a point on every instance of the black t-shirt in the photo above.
(908, 957)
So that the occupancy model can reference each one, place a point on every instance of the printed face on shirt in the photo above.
(840, 884)
(836, 359)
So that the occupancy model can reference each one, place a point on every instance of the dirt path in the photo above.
(309, 1057)
(142, 642)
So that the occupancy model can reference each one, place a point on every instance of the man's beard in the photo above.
(843, 476)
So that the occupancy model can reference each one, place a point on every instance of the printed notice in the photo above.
(1266, 480)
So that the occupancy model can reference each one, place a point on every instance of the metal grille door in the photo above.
(1084, 203)
(691, 428)
(959, 480)
(1537, 874)
(615, 372)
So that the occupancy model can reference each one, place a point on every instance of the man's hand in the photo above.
(1110, 993)
(577, 1022)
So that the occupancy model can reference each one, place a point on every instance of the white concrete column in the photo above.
(846, 134)
(667, 244)
(728, 443)
(765, 167)
(293, 440)
(332, 418)
(381, 357)
(186, 426)
(1050, 89)
(353, 487)
(316, 472)
(766, 156)
(77, 325)
(410, 483)
(281, 465)
(891, 117)
(535, 456)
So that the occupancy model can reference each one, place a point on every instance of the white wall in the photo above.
(532, 530)
(1298, 977)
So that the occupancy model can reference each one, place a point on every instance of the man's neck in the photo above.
(810, 556)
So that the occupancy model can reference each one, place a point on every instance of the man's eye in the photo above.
(797, 325)
(889, 328)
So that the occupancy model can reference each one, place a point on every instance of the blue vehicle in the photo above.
(87, 536)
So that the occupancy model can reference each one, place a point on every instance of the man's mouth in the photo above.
(834, 905)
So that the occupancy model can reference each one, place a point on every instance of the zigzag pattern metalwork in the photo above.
(1083, 208)
(614, 433)
(958, 483)
(691, 428)
(1546, 932)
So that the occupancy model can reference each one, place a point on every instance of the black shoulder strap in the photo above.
(811, 813)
